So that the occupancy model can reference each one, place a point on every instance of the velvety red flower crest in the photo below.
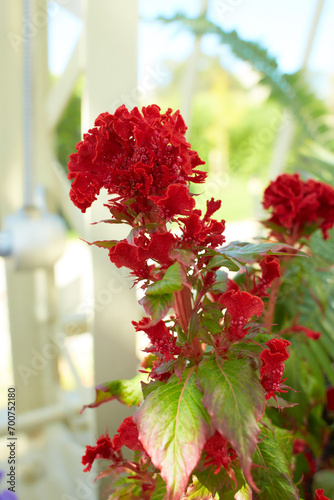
(270, 267)
(133, 155)
(103, 449)
(218, 452)
(311, 334)
(273, 365)
(319, 495)
(299, 206)
(161, 339)
(135, 256)
(127, 435)
(241, 306)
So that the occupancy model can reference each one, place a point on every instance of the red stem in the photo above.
(184, 310)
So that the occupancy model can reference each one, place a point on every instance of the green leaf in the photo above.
(274, 475)
(173, 426)
(235, 401)
(160, 492)
(150, 387)
(197, 491)
(157, 306)
(248, 253)
(104, 243)
(207, 484)
(193, 327)
(170, 283)
(221, 283)
(125, 487)
(186, 257)
(128, 392)
(223, 261)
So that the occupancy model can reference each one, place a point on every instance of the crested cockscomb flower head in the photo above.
(218, 452)
(241, 306)
(162, 340)
(103, 449)
(299, 207)
(320, 495)
(270, 267)
(273, 365)
(135, 156)
(127, 435)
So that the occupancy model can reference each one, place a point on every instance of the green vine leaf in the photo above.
(173, 426)
(273, 456)
(128, 392)
(235, 402)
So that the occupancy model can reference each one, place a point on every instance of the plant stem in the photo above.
(268, 317)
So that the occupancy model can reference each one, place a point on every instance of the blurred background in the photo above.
(254, 80)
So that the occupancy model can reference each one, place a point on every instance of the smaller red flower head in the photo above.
(299, 206)
(241, 306)
(103, 449)
(273, 365)
(270, 267)
(135, 256)
(161, 339)
(127, 435)
(319, 495)
(203, 231)
(311, 334)
(218, 452)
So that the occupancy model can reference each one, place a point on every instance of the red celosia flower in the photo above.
(319, 495)
(127, 435)
(270, 267)
(135, 256)
(273, 365)
(103, 449)
(311, 334)
(218, 453)
(134, 156)
(241, 306)
(299, 446)
(160, 338)
(203, 232)
(299, 206)
(175, 201)
(211, 207)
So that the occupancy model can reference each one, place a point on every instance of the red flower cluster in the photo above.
(135, 256)
(319, 495)
(161, 339)
(103, 449)
(205, 231)
(273, 365)
(127, 435)
(311, 334)
(270, 267)
(218, 452)
(241, 306)
(299, 206)
(143, 158)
